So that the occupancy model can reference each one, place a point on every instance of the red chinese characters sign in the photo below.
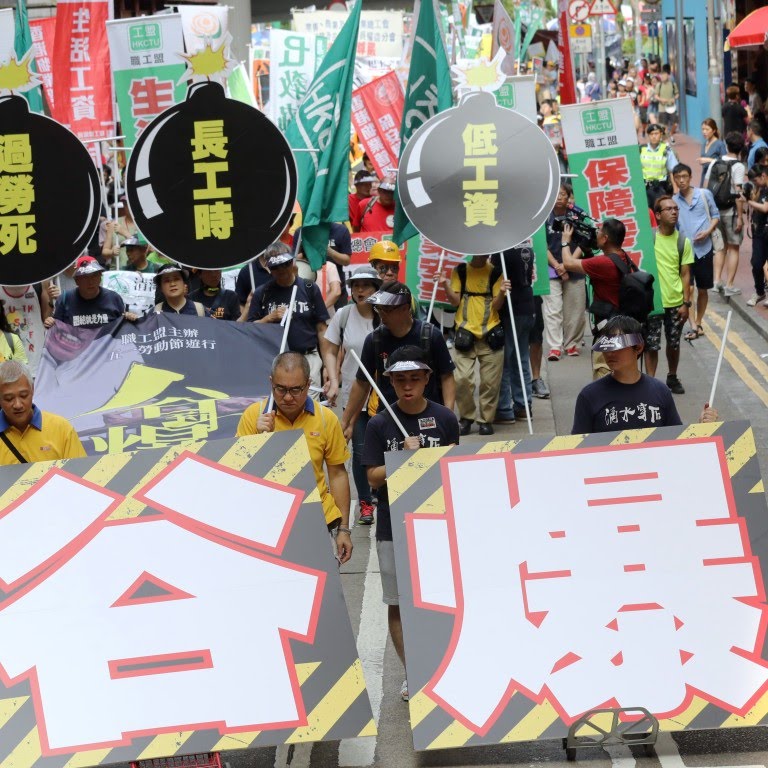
(82, 86)
(377, 111)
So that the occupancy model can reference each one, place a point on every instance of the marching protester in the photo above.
(220, 302)
(362, 182)
(378, 213)
(89, 305)
(250, 277)
(294, 409)
(11, 345)
(627, 398)
(338, 254)
(28, 434)
(674, 256)
(428, 425)
(478, 291)
(26, 307)
(699, 220)
(136, 251)
(398, 327)
(385, 258)
(173, 282)
(308, 321)
(347, 330)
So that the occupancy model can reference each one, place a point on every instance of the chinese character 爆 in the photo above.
(480, 193)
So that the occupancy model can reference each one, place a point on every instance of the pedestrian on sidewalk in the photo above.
(698, 220)
(674, 255)
(712, 148)
(758, 205)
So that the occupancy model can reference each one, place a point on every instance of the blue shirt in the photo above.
(36, 422)
(693, 218)
(752, 152)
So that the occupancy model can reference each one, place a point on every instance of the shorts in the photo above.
(665, 118)
(727, 224)
(386, 552)
(643, 113)
(673, 328)
(537, 332)
(703, 272)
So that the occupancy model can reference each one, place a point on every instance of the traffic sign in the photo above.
(581, 38)
(578, 10)
(601, 8)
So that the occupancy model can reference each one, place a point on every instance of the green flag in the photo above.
(22, 42)
(428, 92)
(321, 124)
(240, 87)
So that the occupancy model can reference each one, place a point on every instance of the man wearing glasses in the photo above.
(674, 255)
(398, 328)
(385, 259)
(294, 409)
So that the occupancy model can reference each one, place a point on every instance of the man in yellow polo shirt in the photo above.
(477, 289)
(294, 409)
(28, 434)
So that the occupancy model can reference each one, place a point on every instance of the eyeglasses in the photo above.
(292, 391)
(669, 208)
(382, 269)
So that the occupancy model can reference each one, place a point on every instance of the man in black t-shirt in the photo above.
(399, 328)
(626, 398)
(222, 303)
(244, 285)
(309, 319)
(429, 425)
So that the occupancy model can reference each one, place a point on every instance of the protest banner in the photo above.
(596, 583)
(43, 33)
(293, 61)
(203, 24)
(608, 182)
(147, 69)
(421, 267)
(380, 35)
(478, 178)
(377, 112)
(42, 231)
(161, 381)
(82, 87)
(211, 182)
(112, 646)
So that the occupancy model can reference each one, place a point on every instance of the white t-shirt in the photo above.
(23, 310)
(355, 331)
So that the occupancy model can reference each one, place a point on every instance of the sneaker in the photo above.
(674, 385)
(718, 287)
(731, 290)
(540, 389)
(449, 343)
(504, 417)
(572, 352)
(366, 513)
(754, 299)
(404, 691)
(554, 355)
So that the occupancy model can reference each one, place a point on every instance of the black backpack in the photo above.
(635, 289)
(719, 184)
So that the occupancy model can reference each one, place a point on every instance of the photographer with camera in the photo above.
(755, 195)
(564, 307)
(603, 272)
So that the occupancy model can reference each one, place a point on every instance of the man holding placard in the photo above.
(428, 425)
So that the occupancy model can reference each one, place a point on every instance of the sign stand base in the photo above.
(639, 727)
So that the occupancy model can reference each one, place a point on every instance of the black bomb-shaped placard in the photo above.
(49, 195)
(211, 182)
(478, 178)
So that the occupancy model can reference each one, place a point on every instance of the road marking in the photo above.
(621, 756)
(293, 755)
(371, 644)
(735, 339)
(669, 754)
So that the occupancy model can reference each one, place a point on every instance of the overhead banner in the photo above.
(294, 60)
(608, 181)
(380, 34)
(203, 23)
(211, 182)
(147, 69)
(43, 33)
(377, 112)
(83, 83)
(42, 231)
(596, 585)
(137, 575)
(161, 381)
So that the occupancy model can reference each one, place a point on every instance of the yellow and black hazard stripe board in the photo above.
(415, 486)
(328, 670)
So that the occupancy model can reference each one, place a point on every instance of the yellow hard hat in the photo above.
(385, 250)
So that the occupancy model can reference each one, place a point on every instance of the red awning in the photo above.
(750, 32)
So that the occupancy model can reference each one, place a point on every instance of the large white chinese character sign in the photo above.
(190, 591)
(553, 579)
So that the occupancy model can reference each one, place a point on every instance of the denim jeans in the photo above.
(358, 470)
(511, 394)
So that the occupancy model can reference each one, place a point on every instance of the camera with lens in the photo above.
(584, 228)
(747, 188)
